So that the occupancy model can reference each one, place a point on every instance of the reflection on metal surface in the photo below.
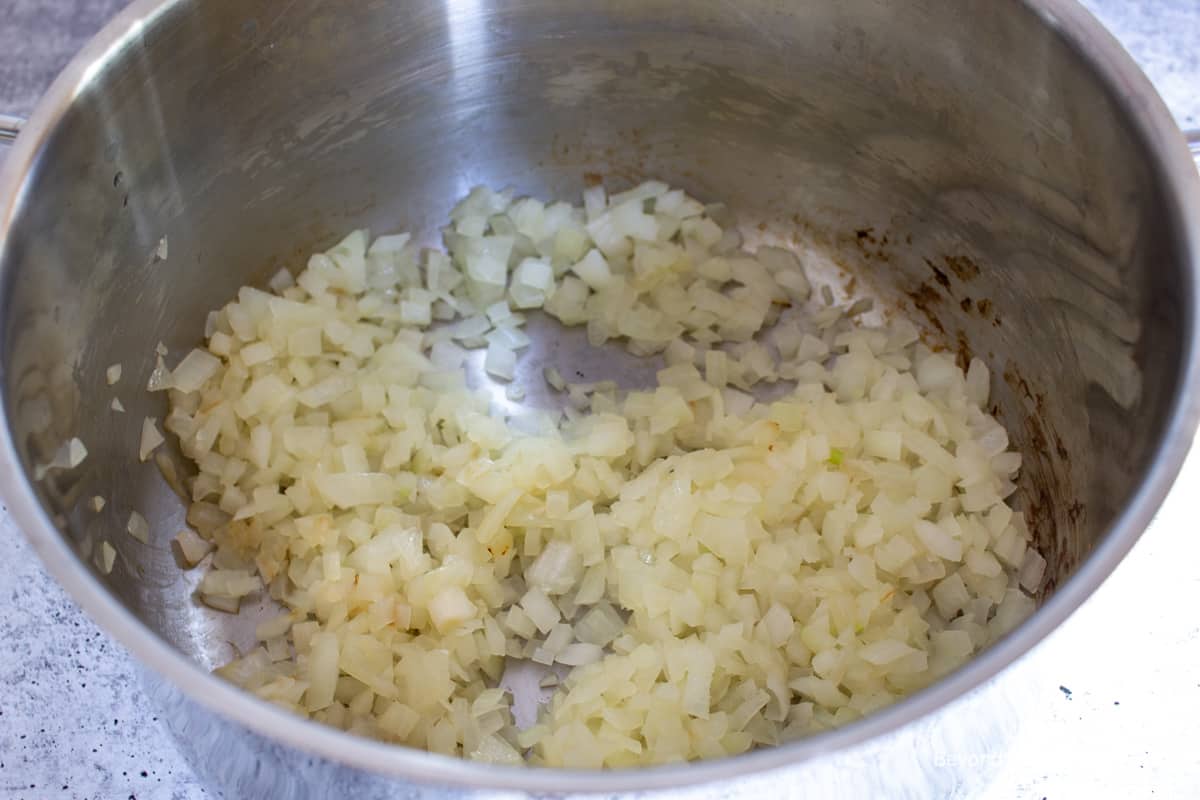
(9, 128)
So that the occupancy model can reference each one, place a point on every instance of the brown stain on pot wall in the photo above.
(1017, 383)
(963, 267)
(962, 351)
(987, 311)
(925, 298)
(1075, 512)
(930, 297)
(1052, 510)
(938, 275)
(871, 246)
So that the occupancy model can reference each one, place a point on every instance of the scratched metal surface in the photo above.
(1116, 693)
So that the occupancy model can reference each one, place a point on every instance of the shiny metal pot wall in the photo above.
(1000, 170)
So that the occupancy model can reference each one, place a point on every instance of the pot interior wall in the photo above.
(953, 159)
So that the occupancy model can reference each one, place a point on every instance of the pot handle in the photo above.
(9, 128)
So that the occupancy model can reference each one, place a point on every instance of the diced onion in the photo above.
(150, 440)
(105, 558)
(195, 369)
(138, 528)
(193, 548)
(500, 361)
(1032, 570)
(711, 571)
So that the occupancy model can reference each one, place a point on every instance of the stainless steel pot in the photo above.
(999, 170)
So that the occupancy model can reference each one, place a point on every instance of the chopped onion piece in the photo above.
(450, 609)
(532, 283)
(554, 378)
(281, 280)
(1032, 570)
(151, 439)
(105, 558)
(192, 547)
(500, 361)
(138, 528)
(195, 369)
(593, 270)
(160, 377)
(557, 570)
(76, 453)
(228, 583)
(540, 609)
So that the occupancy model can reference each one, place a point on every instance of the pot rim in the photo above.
(1148, 116)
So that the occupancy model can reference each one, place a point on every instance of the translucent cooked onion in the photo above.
(138, 528)
(193, 548)
(151, 439)
(105, 558)
(713, 573)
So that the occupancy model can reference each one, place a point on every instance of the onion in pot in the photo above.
(714, 571)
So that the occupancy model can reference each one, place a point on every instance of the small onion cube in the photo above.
(500, 361)
(508, 337)
(192, 547)
(593, 270)
(541, 611)
(151, 439)
(532, 283)
(450, 608)
(106, 558)
(194, 371)
(138, 528)
(76, 453)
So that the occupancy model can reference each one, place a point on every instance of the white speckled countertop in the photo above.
(1113, 711)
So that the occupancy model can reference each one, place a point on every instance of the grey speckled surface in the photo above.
(1114, 711)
